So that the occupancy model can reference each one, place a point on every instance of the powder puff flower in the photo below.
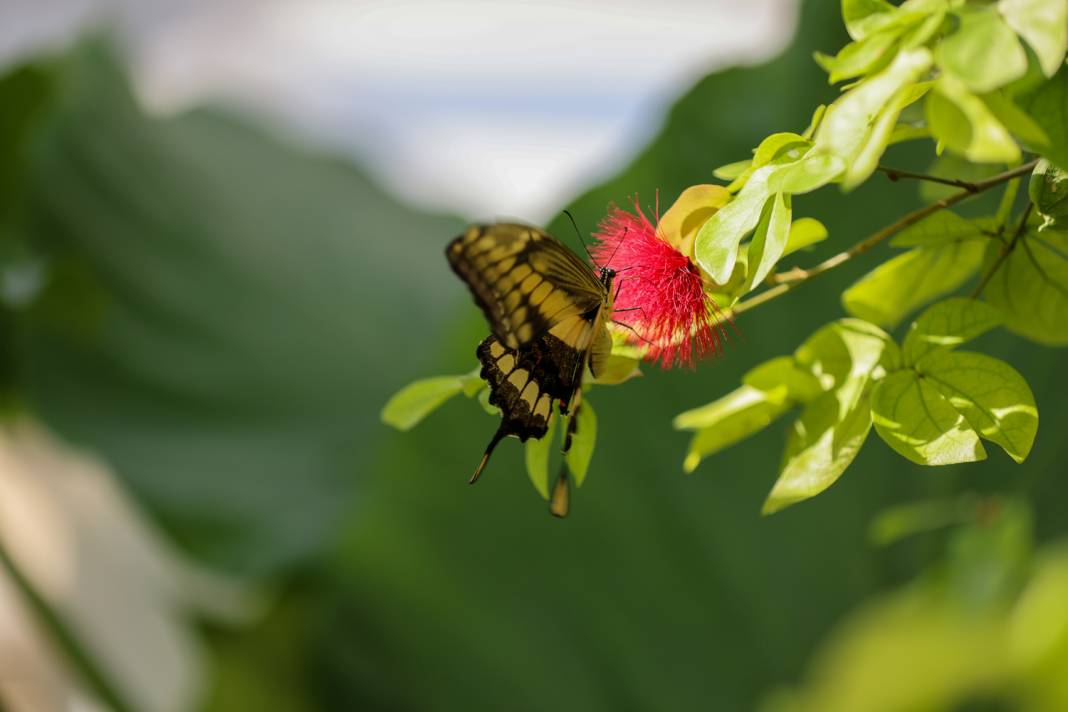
(660, 291)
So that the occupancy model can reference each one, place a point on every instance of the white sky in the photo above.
(486, 107)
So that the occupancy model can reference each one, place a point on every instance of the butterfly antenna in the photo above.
(618, 245)
(497, 436)
(578, 234)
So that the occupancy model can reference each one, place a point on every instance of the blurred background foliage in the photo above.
(221, 315)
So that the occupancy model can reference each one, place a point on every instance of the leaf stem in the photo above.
(790, 279)
(79, 659)
(1003, 254)
(896, 174)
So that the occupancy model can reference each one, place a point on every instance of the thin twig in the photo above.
(896, 174)
(1006, 250)
(790, 279)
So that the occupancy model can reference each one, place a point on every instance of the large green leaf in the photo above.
(716, 244)
(891, 291)
(991, 395)
(222, 316)
(915, 419)
(1031, 286)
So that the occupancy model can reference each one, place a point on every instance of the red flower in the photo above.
(660, 292)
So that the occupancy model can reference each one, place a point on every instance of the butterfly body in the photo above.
(547, 311)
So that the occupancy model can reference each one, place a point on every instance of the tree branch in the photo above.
(895, 174)
(793, 278)
(1006, 250)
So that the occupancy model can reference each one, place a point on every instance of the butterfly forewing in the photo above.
(523, 280)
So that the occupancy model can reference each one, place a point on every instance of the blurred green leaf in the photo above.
(860, 57)
(618, 369)
(940, 228)
(846, 352)
(891, 291)
(964, 124)
(916, 420)
(983, 52)
(804, 232)
(948, 324)
(1048, 106)
(1048, 190)
(1031, 286)
(247, 315)
(536, 453)
(408, 406)
(861, 16)
(1043, 24)
(991, 395)
(902, 521)
(585, 437)
(1013, 118)
(867, 158)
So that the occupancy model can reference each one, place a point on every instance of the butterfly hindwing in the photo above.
(523, 280)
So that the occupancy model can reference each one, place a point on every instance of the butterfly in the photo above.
(548, 313)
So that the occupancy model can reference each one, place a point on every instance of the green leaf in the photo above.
(820, 446)
(984, 52)
(1031, 286)
(783, 380)
(804, 232)
(861, 15)
(991, 395)
(735, 416)
(1016, 121)
(962, 122)
(1044, 26)
(860, 57)
(867, 158)
(946, 325)
(777, 149)
(915, 419)
(940, 228)
(845, 353)
(813, 171)
(769, 239)
(849, 121)
(732, 170)
(1048, 190)
(896, 523)
(887, 294)
(716, 245)
(585, 437)
(536, 453)
(1048, 106)
(408, 406)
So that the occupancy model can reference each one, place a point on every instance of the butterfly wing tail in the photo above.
(497, 437)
